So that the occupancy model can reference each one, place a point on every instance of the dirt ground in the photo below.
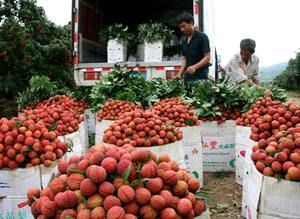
(294, 97)
(225, 196)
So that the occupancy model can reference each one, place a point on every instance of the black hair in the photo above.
(185, 17)
(248, 44)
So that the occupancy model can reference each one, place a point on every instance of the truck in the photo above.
(90, 16)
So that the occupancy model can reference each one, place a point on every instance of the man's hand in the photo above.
(269, 93)
(221, 69)
(191, 70)
(181, 75)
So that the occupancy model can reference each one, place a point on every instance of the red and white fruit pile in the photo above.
(118, 183)
(176, 112)
(276, 128)
(225, 114)
(279, 155)
(113, 109)
(142, 129)
(25, 143)
(62, 110)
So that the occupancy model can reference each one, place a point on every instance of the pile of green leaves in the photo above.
(211, 98)
(159, 89)
(154, 32)
(249, 95)
(120, 84)
(116, 31)
(40, 88)
(124, 84)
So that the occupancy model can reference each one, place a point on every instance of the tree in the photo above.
(31, 45)
(290, 77)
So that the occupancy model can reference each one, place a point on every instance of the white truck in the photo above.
(90, 16)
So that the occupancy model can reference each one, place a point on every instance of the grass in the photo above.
(221, 175)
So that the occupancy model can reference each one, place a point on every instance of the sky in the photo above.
(273, 24)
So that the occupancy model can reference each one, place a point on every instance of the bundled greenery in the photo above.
(40, 88)
(116, 31)
(117, 85)
(124, 84)
(211, 98)
(290, 78)
(154, 32)
(159, 89)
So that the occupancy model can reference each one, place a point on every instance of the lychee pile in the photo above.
(61, 111)
(142, 129)
(118, 183)
(25, 143)
(176, 112)
(224, 115)
(276, 128)
(113, 109)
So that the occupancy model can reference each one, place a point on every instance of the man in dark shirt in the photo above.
(195, 50)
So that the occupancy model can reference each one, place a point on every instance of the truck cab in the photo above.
(90, 16)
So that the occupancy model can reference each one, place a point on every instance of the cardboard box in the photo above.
(116, 51)
(48, 174)
(192, 147)
(9, 208)
(78, 139)
(150, 52)
(101, 126)
(16, 182)
(174, 150)
(218, 143)
(268, 198)
(90, 120)
(204, 215)
(243, 145)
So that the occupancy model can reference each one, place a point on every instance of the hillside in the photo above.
(270, 72)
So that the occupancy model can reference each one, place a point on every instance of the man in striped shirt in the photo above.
(244, 66)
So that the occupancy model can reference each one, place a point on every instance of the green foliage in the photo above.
(30, 45)
(91, 139)
(124, 84)
(120, 83)
(159, 89)
(290, 78)
(208, 96)
(116, 31)
(40, 88)
(154, 32)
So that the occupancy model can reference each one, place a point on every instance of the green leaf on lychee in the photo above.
(53, 127)
(126, 174)
(275, 152)
(19, 123)
(138, 181)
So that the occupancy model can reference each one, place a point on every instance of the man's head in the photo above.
(185, 22)
(247, 48)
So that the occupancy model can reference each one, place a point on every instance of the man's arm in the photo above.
(205, 49)
(203, 62)
(183, 64)
(235, 71)
(256, 75)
